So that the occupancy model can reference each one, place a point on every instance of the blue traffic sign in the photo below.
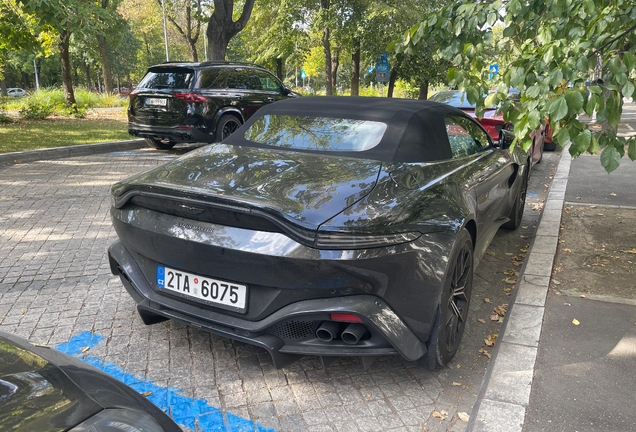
(494, 68)
(303, 74)
(382, 68)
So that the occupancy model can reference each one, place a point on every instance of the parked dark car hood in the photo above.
(37, 395)
(308, 188)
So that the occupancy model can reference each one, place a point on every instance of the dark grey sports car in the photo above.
(329, 226)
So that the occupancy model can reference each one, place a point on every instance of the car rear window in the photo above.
(167, 78)
(316, 133)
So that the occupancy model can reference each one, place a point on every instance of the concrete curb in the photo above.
(505, 391)
(70, 151)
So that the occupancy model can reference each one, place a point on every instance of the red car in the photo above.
(493, 122)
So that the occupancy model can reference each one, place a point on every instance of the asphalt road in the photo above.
(56, 287)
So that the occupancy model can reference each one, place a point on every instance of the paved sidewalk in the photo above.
(565, 361)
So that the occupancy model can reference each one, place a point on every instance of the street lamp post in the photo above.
(165, 29)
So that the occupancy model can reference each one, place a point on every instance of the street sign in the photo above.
(382, 68)
(494, 70)
(303, 74)
(370, 70)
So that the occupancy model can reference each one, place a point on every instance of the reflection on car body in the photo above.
(354, 224)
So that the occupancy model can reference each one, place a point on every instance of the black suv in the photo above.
(199, 102)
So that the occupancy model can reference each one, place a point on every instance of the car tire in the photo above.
(452, 312)
(227, 125)
(516, 214)
(159, 144)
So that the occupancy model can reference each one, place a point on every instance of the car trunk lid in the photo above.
(305, 188)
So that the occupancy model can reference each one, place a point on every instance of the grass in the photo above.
(59, 132)
(54, 98)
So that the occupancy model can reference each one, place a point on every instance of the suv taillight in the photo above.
(190, 97)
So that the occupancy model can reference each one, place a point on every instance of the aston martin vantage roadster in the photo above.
(327, 226)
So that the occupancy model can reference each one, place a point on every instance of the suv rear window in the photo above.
(168, 78)
(316, 133)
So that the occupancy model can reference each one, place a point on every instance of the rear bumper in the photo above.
(285, 334)
(180, 134)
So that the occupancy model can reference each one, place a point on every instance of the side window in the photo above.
(465, 137)
(245, 79)
(268, 81)
(213, 78)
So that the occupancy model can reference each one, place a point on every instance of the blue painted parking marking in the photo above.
(195, 414)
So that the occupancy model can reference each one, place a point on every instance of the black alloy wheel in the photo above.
(228, 124)
(159, 144)
(453, 309)
(516, 214)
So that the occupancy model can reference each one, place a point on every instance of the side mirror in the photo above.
(506, 138)
(287, 91)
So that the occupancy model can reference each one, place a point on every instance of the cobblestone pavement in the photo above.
(55, 282)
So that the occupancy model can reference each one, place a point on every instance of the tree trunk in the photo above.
(355, 68)
(221, 28)
(65, 59)
(326, 45)
(423, 90)
(393, 77)
(106, 71)
(3, 88)
(279, 68)
(26, 82)
(335, 63)
(193, 50)
(103, 55)
(87, 71)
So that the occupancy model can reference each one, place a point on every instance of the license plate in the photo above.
(226, 295)
(156, 101)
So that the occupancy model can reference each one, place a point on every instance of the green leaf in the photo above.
(631, 151)
(615, 65)
(582, 141)
(628, 59)
(472, 94)
(558, 109)
(610, 158)
(534, 119)
(613, 115)
(621, 78)
(533, 91)
(556, 76)
(590, 104)
(589, 6)
(492, 18)
(628, 89)
(562, 137)
(575, 101)
(595, 89)
(491, 100)
(594, 147)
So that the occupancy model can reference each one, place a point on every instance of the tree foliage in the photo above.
(548, 50)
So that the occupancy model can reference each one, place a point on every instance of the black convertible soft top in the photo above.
(415, 132)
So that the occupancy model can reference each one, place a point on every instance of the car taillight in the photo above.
(190, 97)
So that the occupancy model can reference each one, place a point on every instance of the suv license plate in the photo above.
(156, 101)
(226, 295)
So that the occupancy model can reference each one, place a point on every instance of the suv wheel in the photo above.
(159, 144)
(227, 125)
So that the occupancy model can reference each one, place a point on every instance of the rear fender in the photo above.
(227, 110)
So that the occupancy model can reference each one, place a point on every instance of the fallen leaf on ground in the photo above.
(486, 300)
(556, 282)
(444, 412)
(463, 416)
(508, 254)
(85, 349)
(484, 352)
(490, 253)
(524, 227)
(494, 317)
(582, 296)
(438, 415)
(612, 194)
(630, 251)
(511, 281)
(524, 250)
(456, 384)
(501, 309)
(575, 321)
(568, 250)
(146, 394)
(458, 366)
(481, 320)
(537, 206)
(509, 272)
(22, 312)
(491, 339)
(507, 290)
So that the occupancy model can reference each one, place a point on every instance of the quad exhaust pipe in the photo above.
(351, 335)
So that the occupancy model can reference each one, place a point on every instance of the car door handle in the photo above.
(269, 99)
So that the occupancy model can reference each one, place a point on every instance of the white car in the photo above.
(16, 92)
